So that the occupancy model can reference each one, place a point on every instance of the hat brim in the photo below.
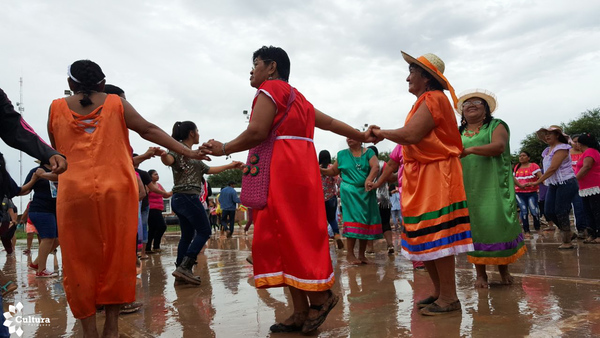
(411, 60)
(491, 101)
(541, 135)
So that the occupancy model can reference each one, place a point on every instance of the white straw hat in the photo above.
(483, 94)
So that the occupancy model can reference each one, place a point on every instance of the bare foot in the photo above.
(480, 283)
(363, 260)
(353, 260)
(507, 279)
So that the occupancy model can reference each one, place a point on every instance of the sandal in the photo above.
(425, 302)
(7, 288)
(326, 307)
(131, 307)
(281, 327)
(434, 309)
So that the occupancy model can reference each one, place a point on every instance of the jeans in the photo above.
(580, 214)
(397, 217)
(528, 203)
(145, 212)
(558, 203)
(592, 208)
(330, 211)
(228, 217)
(195, 229)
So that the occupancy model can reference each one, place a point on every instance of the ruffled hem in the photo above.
(497, 260)
(430, 256)
(589, 191)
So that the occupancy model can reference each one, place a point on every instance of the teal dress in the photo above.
(360, 211)
(490, 189)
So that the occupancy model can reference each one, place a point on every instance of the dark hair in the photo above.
(112, 89)
(519, 164)
(374, 148)
(4, 179)
(278, 55)
(86, 76)
(151, 171)
(181, 130)
(324, 158)
(433, 83)
(589, 140)
(486, 121)
(231, 183)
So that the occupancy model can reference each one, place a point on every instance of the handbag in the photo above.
(256, 172)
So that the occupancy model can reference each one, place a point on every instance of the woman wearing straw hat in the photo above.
(489, 185)
(434, 204)
(560, 179)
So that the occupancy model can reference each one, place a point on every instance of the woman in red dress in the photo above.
(290, 246)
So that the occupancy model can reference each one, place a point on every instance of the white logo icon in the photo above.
(12, 319)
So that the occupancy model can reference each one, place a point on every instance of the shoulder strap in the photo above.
(291, 99)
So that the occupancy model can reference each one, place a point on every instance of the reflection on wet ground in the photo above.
(555, 294)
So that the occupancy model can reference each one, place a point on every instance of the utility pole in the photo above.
(21, 110)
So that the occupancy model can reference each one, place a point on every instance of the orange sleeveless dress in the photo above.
(434, 203)
(96, 206)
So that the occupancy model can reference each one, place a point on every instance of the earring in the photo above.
(270, 78)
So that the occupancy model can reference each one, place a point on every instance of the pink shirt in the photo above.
(398, 157)
(526, 175)
(156, 200)
(590, 184)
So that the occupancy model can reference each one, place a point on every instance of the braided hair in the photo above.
(86, 78)
(181, 130)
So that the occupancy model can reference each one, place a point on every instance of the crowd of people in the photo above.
(449, 189)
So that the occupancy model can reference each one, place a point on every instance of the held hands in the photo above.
(236, 165)
(466, 152)
(58, 164)
(373, 134)
(39, 172)
(214, 146)
(369, 185)
(198, 154)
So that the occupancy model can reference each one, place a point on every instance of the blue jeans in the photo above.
(330, 211)
(528, 203)
(145, 213)
(228, 217)
(195, 228)
(558, 203)
(580, 214)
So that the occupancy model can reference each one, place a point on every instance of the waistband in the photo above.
(570, 180)
(289, 137)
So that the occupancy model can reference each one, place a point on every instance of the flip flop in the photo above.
(425, 302)
(7, 288)
(281, 327)
(312, 324)
(434, 309)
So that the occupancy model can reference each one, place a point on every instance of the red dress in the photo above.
(291, 244)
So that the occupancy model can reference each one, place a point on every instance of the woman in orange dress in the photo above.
(290, 245)
(434, 204)
(91, 129)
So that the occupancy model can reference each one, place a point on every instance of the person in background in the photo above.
(229, 200)
(385, 206)
(527, 197)
(587, 173)
(156, 221)
(330, 186)
(396, 212)
(579, 213)
(559, 176)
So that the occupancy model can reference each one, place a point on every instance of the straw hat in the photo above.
(433, 65)
(486, 95)
(562, 137)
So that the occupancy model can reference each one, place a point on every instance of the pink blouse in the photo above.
(590, 184)
(156, 200)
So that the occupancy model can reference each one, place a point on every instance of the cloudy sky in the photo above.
(190, 60)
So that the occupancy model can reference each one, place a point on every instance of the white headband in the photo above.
(75, 79)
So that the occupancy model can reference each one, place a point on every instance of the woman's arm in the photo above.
(331, 171)
(495, 148)
(413, 131)
(152, 133)
(221, 168)
(26, 188)
(141, 190)
(588, 163)
(374, 164)
(326, 122)
(156, 189)
(557, 159)
(517, 182)
(387, 173)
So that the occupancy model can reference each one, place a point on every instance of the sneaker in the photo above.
(46, 274)
(33, 266)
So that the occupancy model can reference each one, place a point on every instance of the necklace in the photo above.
(356, 164)
(471, 133)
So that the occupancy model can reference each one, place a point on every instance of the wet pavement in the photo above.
(556, 294)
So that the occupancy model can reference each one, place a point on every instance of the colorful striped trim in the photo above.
(359, 236)
(438, 243)
(450, 251)
(499, 246)
(361, 229)
(435, 214)
(437, 228)
(280, 278)
(497, 260)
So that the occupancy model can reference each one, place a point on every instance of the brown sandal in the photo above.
(326, 307)
(434, 309)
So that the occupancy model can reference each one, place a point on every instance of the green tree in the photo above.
(222, 179)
